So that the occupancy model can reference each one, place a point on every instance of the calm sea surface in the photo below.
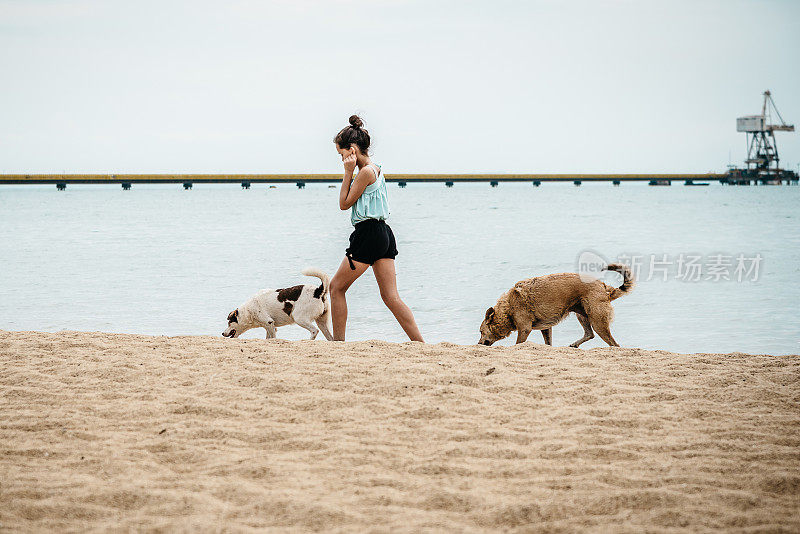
(161, 260)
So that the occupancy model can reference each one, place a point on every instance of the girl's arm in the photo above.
(348, 194)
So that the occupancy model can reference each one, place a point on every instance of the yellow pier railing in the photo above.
(322, 178)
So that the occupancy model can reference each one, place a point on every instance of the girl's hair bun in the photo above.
(353, 135)
(356, 122)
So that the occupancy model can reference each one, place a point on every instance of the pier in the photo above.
(300, 180)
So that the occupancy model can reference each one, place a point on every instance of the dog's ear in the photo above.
(233, 316)
(489, 314)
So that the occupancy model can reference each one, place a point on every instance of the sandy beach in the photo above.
(110, 431)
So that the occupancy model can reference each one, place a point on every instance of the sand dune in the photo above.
(102, 431)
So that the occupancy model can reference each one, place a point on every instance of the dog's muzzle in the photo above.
(233, 333)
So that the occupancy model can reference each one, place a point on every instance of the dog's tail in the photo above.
(627, 280)
(326, 280)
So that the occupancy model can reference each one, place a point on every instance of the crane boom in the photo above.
(769, 105)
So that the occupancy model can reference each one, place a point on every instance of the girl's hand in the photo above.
(350, 163)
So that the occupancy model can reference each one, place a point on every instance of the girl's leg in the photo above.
(340, 283)
(387, 282)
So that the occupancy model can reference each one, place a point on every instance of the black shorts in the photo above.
(371, 241)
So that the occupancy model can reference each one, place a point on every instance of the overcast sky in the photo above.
(490, 86)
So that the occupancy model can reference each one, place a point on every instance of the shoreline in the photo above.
(444, 344)
(102, 431)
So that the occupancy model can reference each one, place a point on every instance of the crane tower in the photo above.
(763, 161)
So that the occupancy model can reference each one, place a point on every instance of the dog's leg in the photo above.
(267, 323)
(547, 334)
(271, 331)
(599, 320)
(522, 334)
(322, 323)
(308, 325)
(587, 330)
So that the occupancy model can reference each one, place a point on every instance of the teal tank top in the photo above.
(373, 202)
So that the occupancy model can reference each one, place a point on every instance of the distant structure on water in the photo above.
(763, 162)
(762, 167)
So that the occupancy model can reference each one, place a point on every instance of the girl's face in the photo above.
(344, 152)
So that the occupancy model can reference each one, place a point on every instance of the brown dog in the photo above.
(543, 302)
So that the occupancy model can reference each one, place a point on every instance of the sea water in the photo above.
(717, 266)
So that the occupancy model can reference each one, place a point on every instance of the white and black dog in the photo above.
(303, 305)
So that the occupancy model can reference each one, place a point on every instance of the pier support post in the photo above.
(577, 182)
(245, 185)
(126, 186)
(301, 185)
(61, 186)
(537, 183)
(494, 183)
(449, 184)
(187, 185)
(616, 182)
(401, 184)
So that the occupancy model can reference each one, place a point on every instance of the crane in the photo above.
(762, 150)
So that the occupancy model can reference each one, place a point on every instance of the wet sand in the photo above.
(113, 431)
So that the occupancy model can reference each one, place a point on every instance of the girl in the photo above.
(372, 242)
